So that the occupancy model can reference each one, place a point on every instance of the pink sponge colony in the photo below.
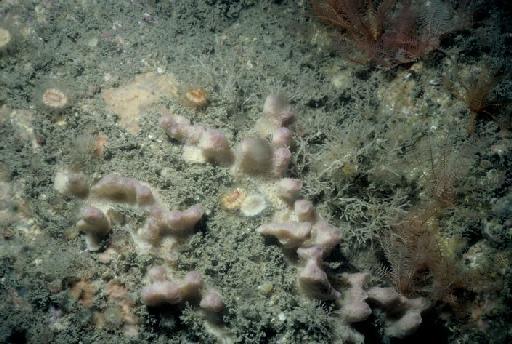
(162, 222)
(162, 291)
(123, 189)
(95, 225)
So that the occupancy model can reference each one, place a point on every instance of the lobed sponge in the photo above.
(290, 235)
(95, 225)
(123, 189)
(162, 222)
(288, 189)
(282, 137)
(179, 128)
(211, 301)
(277, 113)
(265, 154)
(215, 147)
(311, 236)
(210, 144)
(163, 291)
(254, 156)
(354, 307)
(212, 305)
(313, 280)
(403, 315)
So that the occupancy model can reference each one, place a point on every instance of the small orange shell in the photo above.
(196, 98)
(233, 199)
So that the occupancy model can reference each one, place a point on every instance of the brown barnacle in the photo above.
(196, 98)
(233, 199)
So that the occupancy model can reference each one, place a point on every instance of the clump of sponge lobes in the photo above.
(402, 315)
(301, 228)
(123, 189)
(264, 154)
(162, 291)
(95, 225)
(162, 222)
(208, 144)
(313, 238)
